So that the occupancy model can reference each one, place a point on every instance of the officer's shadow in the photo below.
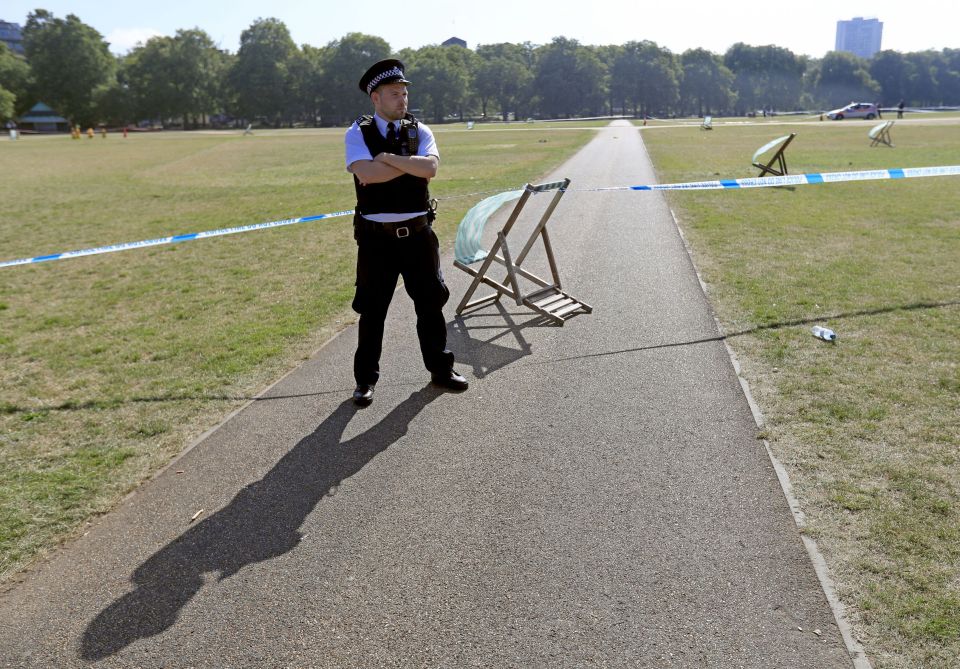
(260, 523)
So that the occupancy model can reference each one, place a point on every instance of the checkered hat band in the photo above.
(393, 72)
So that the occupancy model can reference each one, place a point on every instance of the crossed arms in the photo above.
(387, 166)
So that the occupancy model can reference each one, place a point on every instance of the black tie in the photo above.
(392, 137)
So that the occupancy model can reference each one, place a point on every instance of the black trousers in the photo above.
(382, 258)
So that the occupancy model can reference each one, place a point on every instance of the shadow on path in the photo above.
(73, 405)
(483, 355)
(260, 523)
(759, 328)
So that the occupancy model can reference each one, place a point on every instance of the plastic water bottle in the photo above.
(826, 334)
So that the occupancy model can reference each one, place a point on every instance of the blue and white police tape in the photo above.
(723, 184)
(795, 179)
(190, 236)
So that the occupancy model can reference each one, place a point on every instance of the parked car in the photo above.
(866, 110)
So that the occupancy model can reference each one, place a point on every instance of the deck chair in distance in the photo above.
(707, 123)
(778, 157)
(880, 134)
(546, 298)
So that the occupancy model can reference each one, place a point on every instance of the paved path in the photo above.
(597, 498)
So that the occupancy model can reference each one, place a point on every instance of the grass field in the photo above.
(869, 428)
(112, 364)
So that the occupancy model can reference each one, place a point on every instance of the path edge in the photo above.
(855, 649)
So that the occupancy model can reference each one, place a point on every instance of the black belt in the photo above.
(400, 229)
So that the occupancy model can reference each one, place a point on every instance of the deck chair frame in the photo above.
(880, 134)
(707, 123)
(778, 156)
(547, 299)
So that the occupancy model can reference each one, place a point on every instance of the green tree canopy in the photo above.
(199, 67)
(306, 70)
(646, 77)
(947, 75)
(114, 103)
(843, 77)
(889, 70)
(765, 77)
(14, 82)
(441, 78)
(707, 85)
(186, 76)
(7, 99)
(143, 73)
(261, 79)
(175, 77)
(69, 61)
(608, 55)
(503, 76)
(569, 79)
(922, 87)
(343, 62)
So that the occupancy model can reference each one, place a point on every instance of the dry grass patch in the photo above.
(113, 363)
(869, 428)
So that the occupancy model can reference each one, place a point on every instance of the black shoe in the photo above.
(363, 395)
(450, 380)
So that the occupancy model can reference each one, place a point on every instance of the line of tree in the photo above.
(186, 80)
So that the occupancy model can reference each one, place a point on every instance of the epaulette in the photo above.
(365, 119)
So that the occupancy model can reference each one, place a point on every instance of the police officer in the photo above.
(392, 157)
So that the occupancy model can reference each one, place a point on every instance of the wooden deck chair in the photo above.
(880, 134)
(778, 156)
(707, 123)
(546, 298)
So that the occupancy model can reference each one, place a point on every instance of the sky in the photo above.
(803, 27)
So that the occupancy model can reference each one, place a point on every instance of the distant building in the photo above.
(455, 41)
(859, 36)
(11, 35)
(41, 118)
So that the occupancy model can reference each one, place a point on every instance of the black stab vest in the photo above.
(404, 194)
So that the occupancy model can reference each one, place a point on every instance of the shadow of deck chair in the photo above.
(707, 123)
(778, 157)
(546, 298)
(880, 134)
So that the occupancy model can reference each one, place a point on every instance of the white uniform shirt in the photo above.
(356, 150)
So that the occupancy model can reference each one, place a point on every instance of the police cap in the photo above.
(389, 71)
